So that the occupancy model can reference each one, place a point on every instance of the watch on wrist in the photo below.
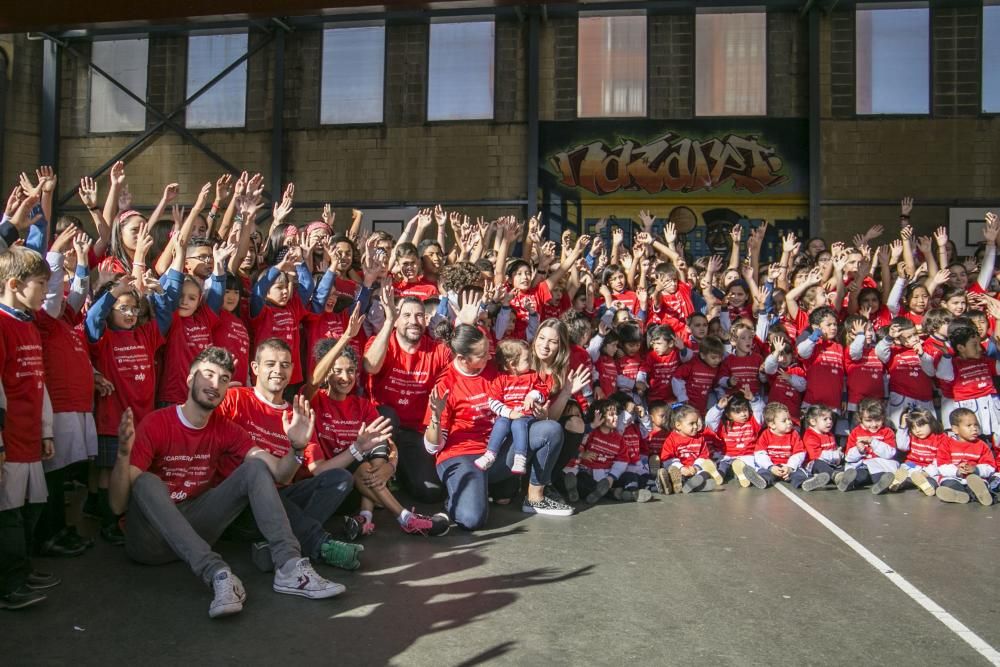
(358, 456)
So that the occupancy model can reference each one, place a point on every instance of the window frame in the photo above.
(385, 69)
(761, 9)
(870, 6)
(90, 89)
(187, 73)
(612, 14)
(981, 55)
(479, 18)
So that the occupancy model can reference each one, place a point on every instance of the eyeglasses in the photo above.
(127, 310)
(201, 258)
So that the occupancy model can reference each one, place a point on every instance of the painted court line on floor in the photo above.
(936, 610)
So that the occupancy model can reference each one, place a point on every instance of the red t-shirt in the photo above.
(816, 443)
(578, 356)
(923, 451)
(420, 288)
(535, 296)
(952, 451)
(906, 377)
(126, 359)
(699, 378)
(825, 375)
(231, 334)
(185, 458)
(22, 371)
(607, 374)
(661, 372)
(973, 378)
(746, 370)
(511, 390)
(282, 322)
(406, 380)
(865, 376)
(187, 337)
(467, 420)
(783, 392)
(261, 420)
(68, 371)
(630, 366)
(885, 434)
(330, 325)
(679, 305)
(684, 449)
(738, 439)
(779, 448)
(337, 424)
(605, 448)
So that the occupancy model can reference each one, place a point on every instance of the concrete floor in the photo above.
(734, 577)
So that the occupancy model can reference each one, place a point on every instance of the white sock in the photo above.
(289, 565)
(403, 517)
(367, 515)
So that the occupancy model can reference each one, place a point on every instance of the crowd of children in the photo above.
(863, 365)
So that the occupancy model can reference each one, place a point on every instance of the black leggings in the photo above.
(416, 470)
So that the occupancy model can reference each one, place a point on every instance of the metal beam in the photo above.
(815, 137)
(163, 120)
(532, 112)
(278, 114)
(49, 140)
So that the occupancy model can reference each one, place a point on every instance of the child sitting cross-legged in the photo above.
(685, 458)
(779, 452)
(603, 456)
(964, 461)
(870, 451)
(920, 437)
(736, 421)
(824, 460)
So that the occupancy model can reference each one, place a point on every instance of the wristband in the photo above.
(355, 453)
(93, 208)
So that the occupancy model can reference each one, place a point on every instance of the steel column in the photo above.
(815, 138)
(532, 181)
(278, 114)
(49, 140)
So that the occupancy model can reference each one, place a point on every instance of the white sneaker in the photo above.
(520, 464)
(229, 594)
(304, 581)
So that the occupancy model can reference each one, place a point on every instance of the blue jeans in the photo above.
(516, 428)
(468, 486)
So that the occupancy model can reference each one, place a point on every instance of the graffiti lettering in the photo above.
(671, 162)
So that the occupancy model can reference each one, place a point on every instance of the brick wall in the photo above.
(787, 65)
(956, 36)
(671, 65)
(23, 111)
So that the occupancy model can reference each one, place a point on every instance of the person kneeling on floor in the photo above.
(163, 476)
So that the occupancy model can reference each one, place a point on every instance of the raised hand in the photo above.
(299, 425)
(373, 434)
(578, 379)
(223, 187)
(906, 206)
(88, 192)
(941, 236)
(354, 323)
(468, 313)
(117, 174)
(436, 402)
(647, 219)
(64, 241)
(81, 246)
(170, 192)
(670, 233)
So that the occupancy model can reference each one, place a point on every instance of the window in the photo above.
(892, 65)
(991, 73)
(731, 64)
(611, 66)
(353, 75)
(111, 110)
(460, 79)
(225, 103)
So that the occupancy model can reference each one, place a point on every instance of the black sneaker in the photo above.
(21, 598)
(39, 581)
(546, 506)
(441, 525)
(883, 484)
(817, 481)
(602, 490)
(754, 477)
(112, 534)
(847, 479)
(63, 545)
(572, 494)
(92, 507)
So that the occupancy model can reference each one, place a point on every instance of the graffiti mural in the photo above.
(709, 157)
(671, 162)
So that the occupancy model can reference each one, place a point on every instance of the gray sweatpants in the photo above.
(159, 531)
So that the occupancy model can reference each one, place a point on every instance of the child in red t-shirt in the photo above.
(970, 376)
(632, 376)
(871, 449)
(965, 462)
(778, 453)
(920, 437)
(660, 416)
(785, 375)
(824, 460)
(695, 379)
(666, 352)
(911, 370)
(513, 395)
(736, 421)
(603, 455)
(743, 366)
(603, 350)
(685, 457)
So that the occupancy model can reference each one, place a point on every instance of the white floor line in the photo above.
(938, 612)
